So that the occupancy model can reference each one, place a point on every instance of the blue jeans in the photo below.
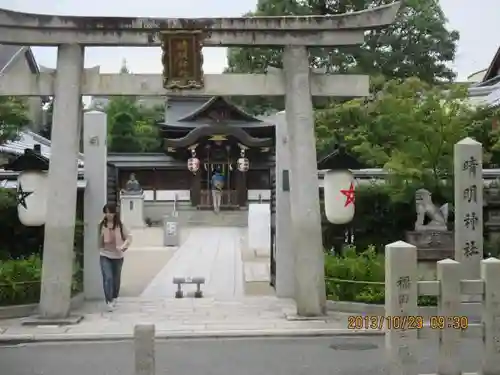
(111, 277)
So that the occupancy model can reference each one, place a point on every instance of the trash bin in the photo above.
(170, 230)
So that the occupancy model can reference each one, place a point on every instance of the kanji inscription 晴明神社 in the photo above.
(468, 206)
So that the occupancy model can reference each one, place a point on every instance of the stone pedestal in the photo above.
(432, 246)
(259, 229)
(132, 210)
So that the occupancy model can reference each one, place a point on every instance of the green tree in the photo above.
(123, 136)
(409, 128)
(131, 127)
(484, 126)
(418, 44)
(120, 104)
(146, 127)
(13, 116)
(147, 135)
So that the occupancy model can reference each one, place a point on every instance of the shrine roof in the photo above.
(339, 159)
(27, 140)
(494, 68)
(191, 112)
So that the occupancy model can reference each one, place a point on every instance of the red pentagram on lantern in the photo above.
(349, 195)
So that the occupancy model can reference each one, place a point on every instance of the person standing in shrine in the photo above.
(217, 186)
(115, 239)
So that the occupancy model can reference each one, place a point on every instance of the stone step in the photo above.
(210, 218)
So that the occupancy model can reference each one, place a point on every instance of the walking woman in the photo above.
(114, 241)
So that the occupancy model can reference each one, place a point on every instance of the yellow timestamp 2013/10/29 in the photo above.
(380, 322)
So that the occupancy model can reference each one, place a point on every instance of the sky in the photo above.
(475, 20)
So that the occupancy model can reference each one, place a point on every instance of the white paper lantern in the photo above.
(339, 196)
(243, 164)
(193, 164)
(32, 197)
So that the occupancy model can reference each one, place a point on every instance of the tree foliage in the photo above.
(409, 128)
(13, 116)
(123, 137)
(132, 127)
(418, 44)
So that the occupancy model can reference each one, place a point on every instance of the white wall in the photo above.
(166, 195)
(185, 195)
(253, 195)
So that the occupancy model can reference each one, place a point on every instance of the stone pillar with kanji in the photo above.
(468, 173)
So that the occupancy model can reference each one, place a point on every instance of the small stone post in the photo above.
(144, 349)
(401, 280)
(448, 275)
(96, 174)
(490, 273)
(468, 172)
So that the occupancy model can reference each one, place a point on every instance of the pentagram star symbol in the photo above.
(349, 195)
(22, 195)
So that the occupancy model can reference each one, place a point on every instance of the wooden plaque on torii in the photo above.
(182, 60)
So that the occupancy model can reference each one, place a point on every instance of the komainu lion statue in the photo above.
(426, 208)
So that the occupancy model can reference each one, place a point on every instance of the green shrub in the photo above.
(359, 277)
(21, 253)
(20, 280)
(355, 277)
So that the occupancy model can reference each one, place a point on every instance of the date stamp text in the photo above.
(406, 322)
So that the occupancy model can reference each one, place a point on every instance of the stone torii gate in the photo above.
(300, 237)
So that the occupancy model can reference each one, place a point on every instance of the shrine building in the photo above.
(201, 134)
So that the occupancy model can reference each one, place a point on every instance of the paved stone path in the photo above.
(213, 253)
(140, 268)
(188, 317)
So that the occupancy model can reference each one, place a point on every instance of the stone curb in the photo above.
(68, 337)
(22, 311)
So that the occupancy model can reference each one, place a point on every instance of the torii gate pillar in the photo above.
(307, 241)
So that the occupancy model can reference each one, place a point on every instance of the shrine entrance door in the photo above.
(229, 191)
